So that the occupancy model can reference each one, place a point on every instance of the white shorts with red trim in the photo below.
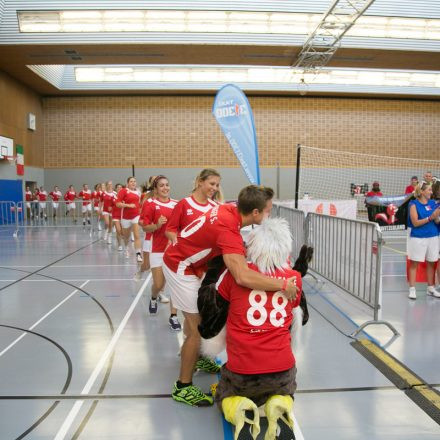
(156, 259)
(127, 223)
(184, 289)
(86, 208)
(42, 205)
(146, 247)
(71, 205)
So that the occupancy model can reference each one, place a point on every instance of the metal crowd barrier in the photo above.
(296, 219)
(55, 214)
(347, 253)
(10, 214)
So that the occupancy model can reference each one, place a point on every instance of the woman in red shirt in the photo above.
(153, 219)
(129, 201)
(107, 200)
(116, 217)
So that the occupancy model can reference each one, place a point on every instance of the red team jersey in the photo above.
(28, 195)
(148, 235)
(410, 189)
(96, 196)
(86, 196)
(186, 211)
(116, 212)
(42, 196)
(55, 195)
(215, 233)
(107, 199)
(150, 215)
(260, 322)
(70, 196)
(128, 196)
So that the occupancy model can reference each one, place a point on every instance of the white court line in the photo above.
(100, 365)
(41, 319)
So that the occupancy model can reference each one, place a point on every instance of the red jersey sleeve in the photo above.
(121, 195)
(174, 223)
(66, 197)
(299, 285)
(224, 284)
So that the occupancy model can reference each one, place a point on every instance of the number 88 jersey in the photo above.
(258, 325)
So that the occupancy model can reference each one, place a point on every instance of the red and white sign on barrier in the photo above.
(336, 208)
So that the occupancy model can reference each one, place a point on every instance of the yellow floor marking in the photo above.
(394, 250)
(390, 362)
(429, 394)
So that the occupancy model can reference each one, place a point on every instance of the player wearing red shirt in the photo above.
(260, 364)
(215, 233)
(86, 195)
(28, 198)
(375, 191)
(70, 197)
(116, 217)
(55, 196)
(96, 197)
(411, 188)
(107, 201)
(129, 201)
(42, 199)
(154, 217)
(200, 201)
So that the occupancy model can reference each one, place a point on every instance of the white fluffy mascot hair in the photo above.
(268, 247)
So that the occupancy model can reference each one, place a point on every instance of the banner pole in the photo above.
(298, 163)
(278, 180)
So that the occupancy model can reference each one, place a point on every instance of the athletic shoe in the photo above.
(433, 292)
(139, 257)
(191, 395)
(175, 324)
(84, 222)
(127, 253)
(120, 248)
(109, 239)
(137, 276)
(412, 293)
(88, 222)
(163, 299)
(105, 235)
(207, 365)
(152, 307)
(99, 226)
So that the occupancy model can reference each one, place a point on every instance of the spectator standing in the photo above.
(412, 186)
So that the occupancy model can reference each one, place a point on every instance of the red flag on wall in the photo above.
(20, 160)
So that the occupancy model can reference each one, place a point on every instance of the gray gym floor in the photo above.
(94, 365)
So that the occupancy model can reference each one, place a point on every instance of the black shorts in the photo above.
(257, 387)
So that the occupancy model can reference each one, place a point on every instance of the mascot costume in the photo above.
(259, 377)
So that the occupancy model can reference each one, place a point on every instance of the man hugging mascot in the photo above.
(259, 377)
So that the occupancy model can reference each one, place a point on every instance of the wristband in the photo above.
(283, 289)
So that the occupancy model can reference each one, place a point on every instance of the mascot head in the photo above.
(269, 245)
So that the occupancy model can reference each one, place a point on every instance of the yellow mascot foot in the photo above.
(278, 407)
(234, 409)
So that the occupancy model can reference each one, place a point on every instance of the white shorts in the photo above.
(55, 205)
(42, 205)
(105, 213)
(125, 223)
(146, 247)
(156, 259)
(28, 205)
(71, 206)
(421, 249)
(86, 208)
(184, 289)
(96, 208)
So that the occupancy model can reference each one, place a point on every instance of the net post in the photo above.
(298, 162)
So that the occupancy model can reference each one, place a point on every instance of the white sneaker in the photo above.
(137, 276)
(139, 257)
(412, 293)
(163, 299)
(105, 236)
(99, 226)
(109, 240)
(120, 248)
(433, 292)
(127, 253)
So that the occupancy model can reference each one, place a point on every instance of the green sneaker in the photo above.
(191, 395)
(207, 365)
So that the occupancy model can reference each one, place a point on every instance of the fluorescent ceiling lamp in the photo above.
(191, 21)
(255, 75)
